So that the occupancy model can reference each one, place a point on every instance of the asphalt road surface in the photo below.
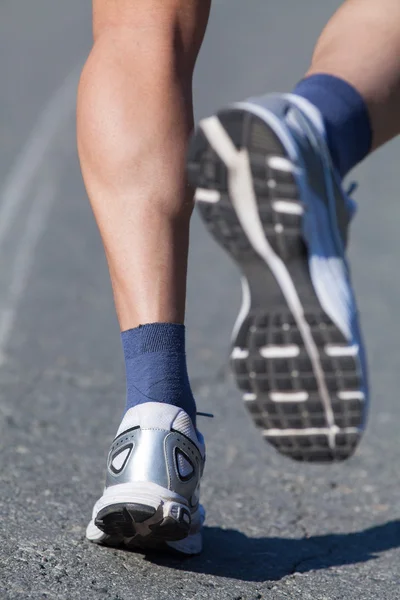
(275, 529)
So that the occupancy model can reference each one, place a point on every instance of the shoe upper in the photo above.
(307, 130)
(309, 120)
(327, 209)
(158, 443)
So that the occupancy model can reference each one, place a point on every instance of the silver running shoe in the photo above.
(151, 498)
(268, 192)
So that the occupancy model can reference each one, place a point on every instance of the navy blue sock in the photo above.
(155, 362)
(346, 118)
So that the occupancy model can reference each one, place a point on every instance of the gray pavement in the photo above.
(275, 529)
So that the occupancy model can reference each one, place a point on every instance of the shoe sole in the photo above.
(128, 520)
(120, 520)
(301, 378)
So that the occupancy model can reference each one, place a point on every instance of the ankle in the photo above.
(345, 115)
(156, 368)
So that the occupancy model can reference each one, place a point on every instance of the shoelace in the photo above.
(204, 414)
(352, 188)
(351, 203)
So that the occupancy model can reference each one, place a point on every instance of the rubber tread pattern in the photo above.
(274, 325)
(120, 522)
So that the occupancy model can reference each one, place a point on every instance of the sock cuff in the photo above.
(332, 85)
(340, 86)
(153, 337)
(345, 113)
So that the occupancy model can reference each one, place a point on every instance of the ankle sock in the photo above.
(156, 370)
(345, 115)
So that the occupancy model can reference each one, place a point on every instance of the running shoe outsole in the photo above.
(269, 357)
(169, 528)
(129, 520)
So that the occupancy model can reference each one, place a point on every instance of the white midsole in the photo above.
(192, 544)
(151, 494)
(245, 307)
(145, 492)
(160, 499)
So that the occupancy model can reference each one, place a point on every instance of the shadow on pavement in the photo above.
(229, 553)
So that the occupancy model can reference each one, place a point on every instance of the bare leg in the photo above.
(134, 118)
(361, 44)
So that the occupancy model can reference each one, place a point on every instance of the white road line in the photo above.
(35, 225)
(16, 190)
(288, 351)
(28, 163)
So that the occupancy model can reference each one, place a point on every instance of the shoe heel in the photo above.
(169, 522)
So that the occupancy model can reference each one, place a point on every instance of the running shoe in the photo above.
(151, 497)
(269, 194)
